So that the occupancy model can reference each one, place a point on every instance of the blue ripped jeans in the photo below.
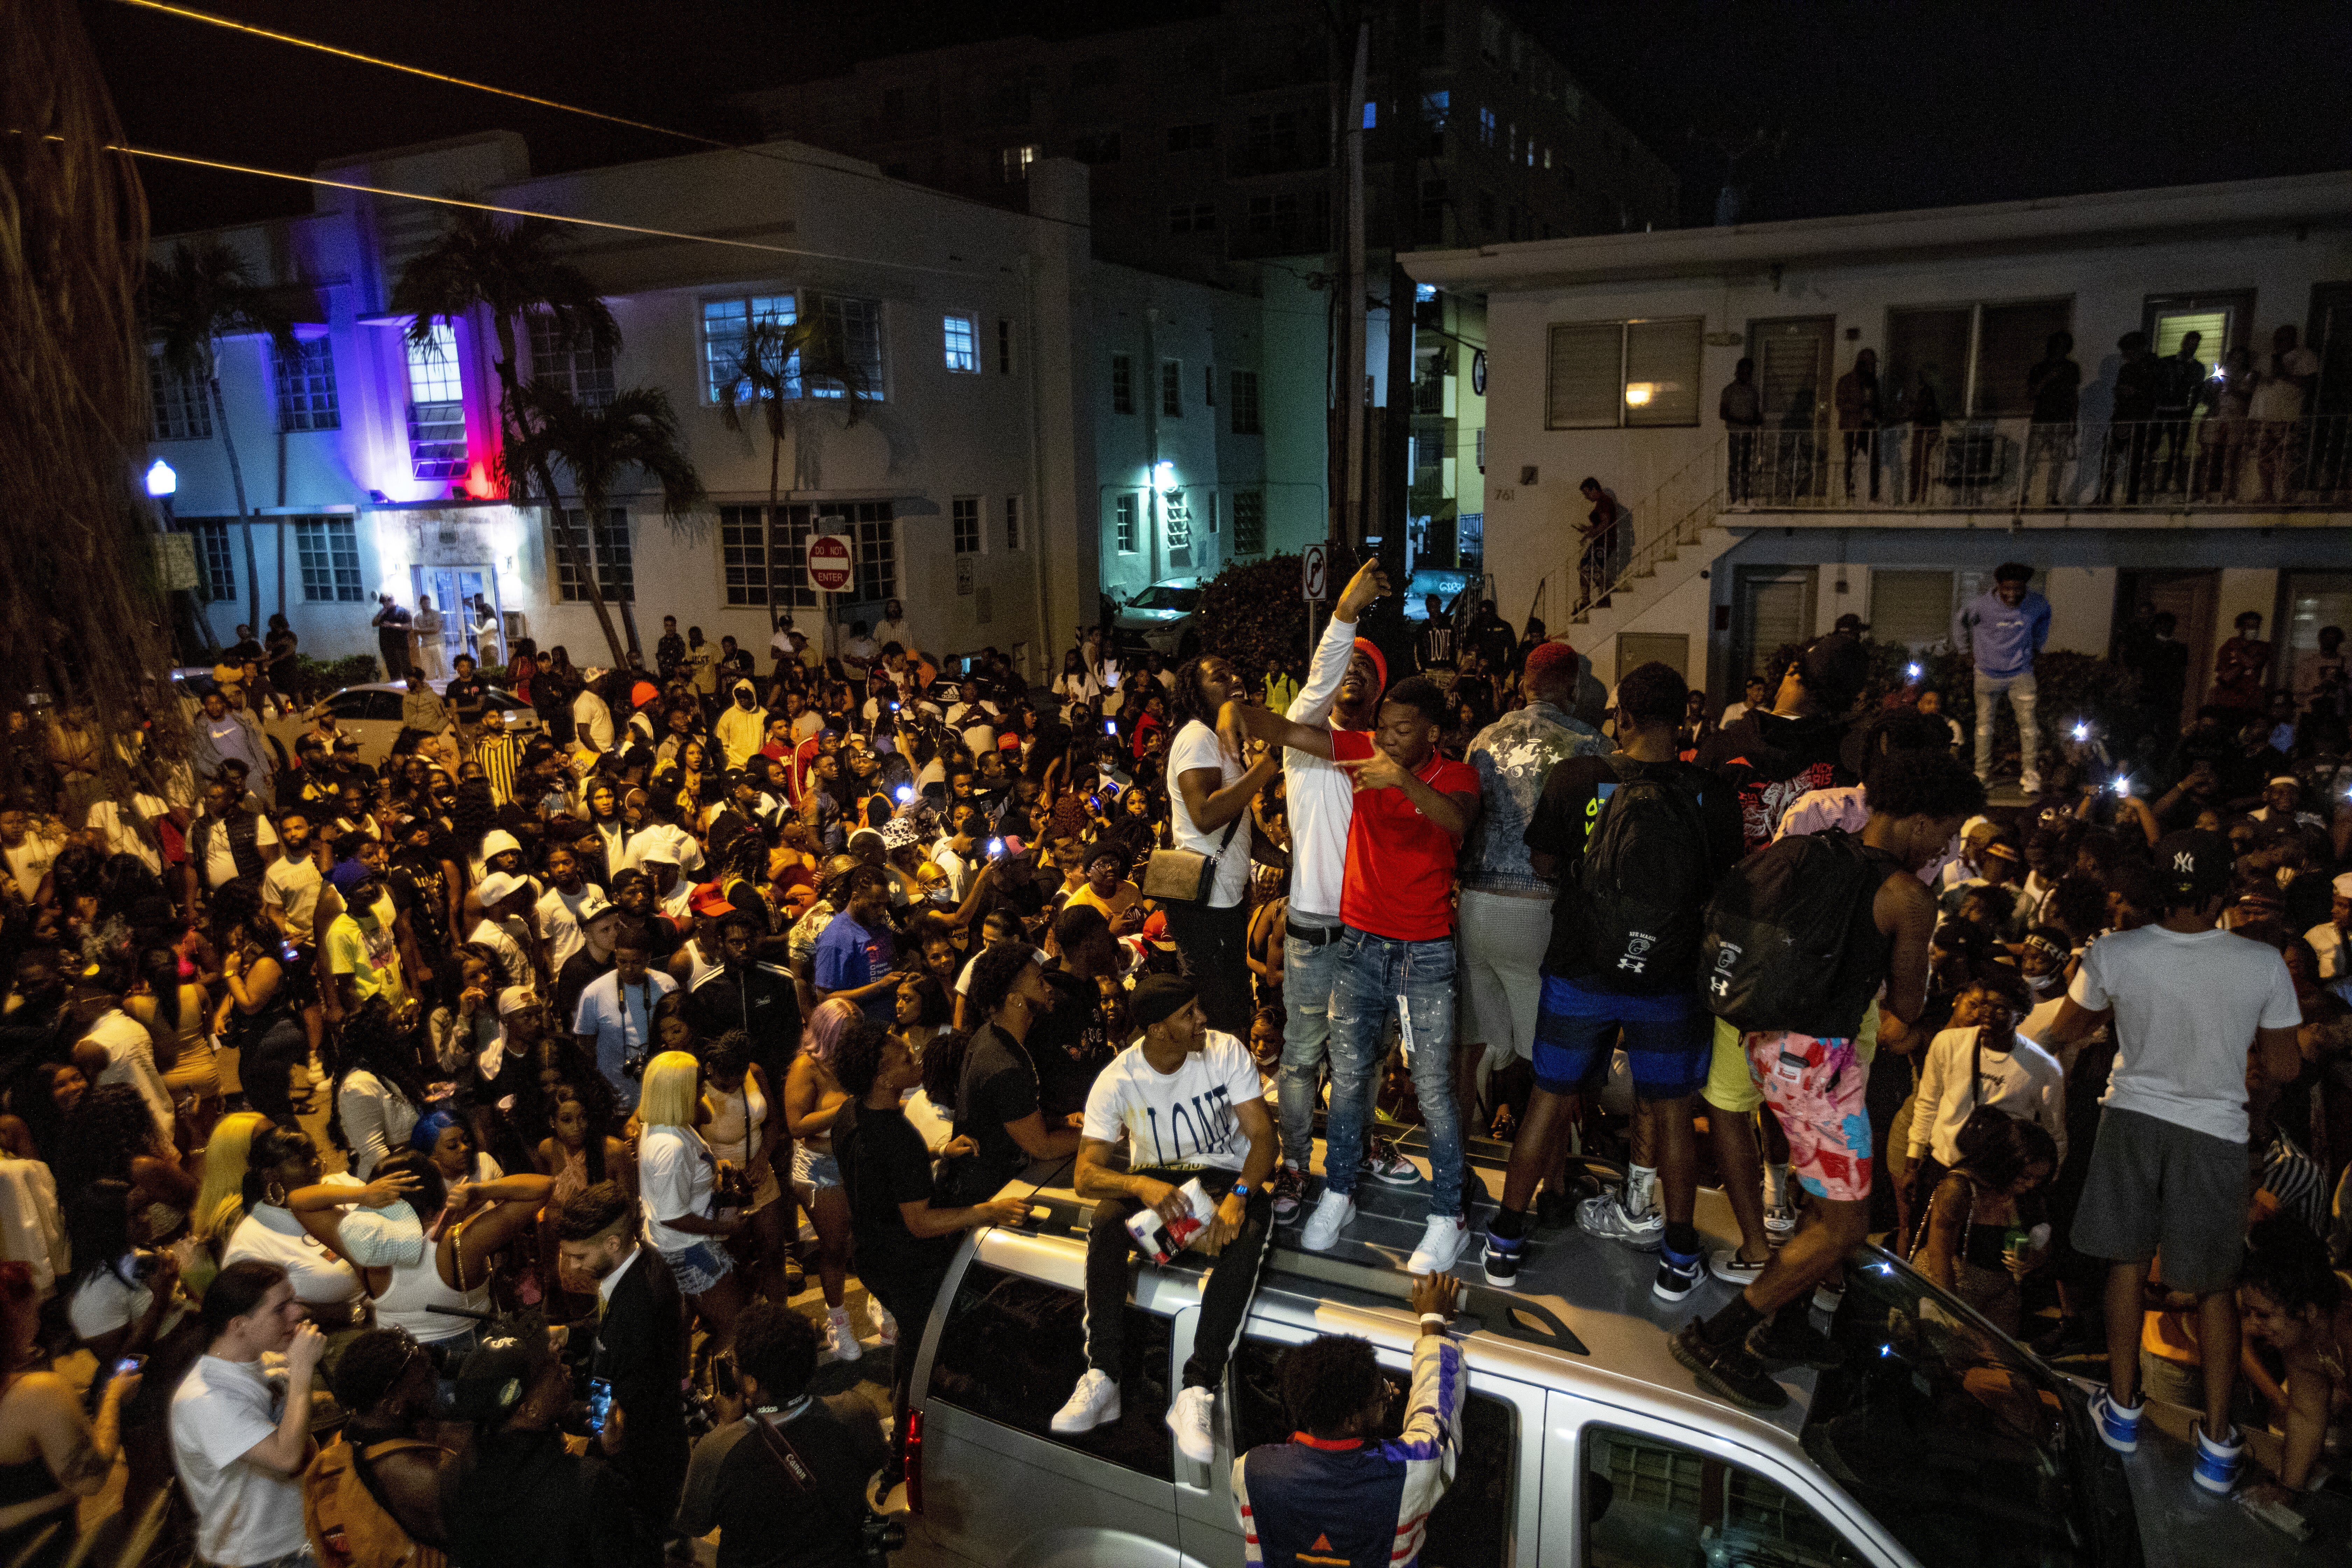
(1371, 974)
(1308, 970)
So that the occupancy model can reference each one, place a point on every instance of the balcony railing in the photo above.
(2014, 465)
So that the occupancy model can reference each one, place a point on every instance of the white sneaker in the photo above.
(885, 1327)
(840, 1339)
(1440, 1244)
(1189, 1419)
(1332, 1212)
(1092, 1403)
(1779, 1222)
(1605, 1214)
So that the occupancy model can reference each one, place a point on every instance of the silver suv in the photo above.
(1939, 1444)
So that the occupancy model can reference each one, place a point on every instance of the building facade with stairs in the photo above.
(1610, 356)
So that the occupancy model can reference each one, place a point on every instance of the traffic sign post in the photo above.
(1315, 573)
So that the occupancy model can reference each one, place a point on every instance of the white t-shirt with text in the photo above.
(1183, 1120)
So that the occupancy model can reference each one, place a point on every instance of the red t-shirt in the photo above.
(1399, 864)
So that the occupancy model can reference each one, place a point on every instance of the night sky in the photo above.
(1882, 105)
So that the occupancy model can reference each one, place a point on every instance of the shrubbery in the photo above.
(1252, 613)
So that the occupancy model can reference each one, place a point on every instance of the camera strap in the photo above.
(796, 1469)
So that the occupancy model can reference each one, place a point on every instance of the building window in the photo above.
(1271, 140)
(965, 513)
(1122, 384)
(1012, 522)
(182, 408)
(1610, 375)
(1485, 127)
(1172, 389)
(1123, 515)
(1003, 346)
(1192, 217)
(329, 551)
(1245, 401)
(743, 554)
(878, 550)
(724, 323)
(1976, 356)
(1176, 514)
(1102, 147)
(1274, 214)
(1194, 138)
(857, 326)
(583, 370)
(1249, 522)
(216, 567)
(962, 338)
(1013, 163)
(605, 546)
(306, 385)
(437, 405)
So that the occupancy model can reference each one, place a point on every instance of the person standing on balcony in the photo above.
(2057, 387)
(2002, 631)
(1608, 539)
(1925, 412)
(2180, 378)
(2131, 429)
(1741, 409)
(1858, 414)
(2280, 395)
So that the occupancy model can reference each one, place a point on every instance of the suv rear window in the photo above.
(1012, 1349)
(1472, 1527)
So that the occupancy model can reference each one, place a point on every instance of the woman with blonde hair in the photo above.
(812, 1099)
(220, 1194)
(682, 1183)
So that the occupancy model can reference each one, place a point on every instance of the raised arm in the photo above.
(1906, 910)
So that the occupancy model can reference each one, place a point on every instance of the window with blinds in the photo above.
(1628, 375)
(1913, 609)
(1792, 369)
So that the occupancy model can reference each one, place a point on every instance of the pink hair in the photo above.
(824, 1026)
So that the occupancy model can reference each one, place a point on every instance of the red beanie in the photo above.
(1379, 662)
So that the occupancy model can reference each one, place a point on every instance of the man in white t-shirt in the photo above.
(28, 853)
(2170, 1171)
(614, 1021)
(568, 893)
(241, 1419)
(116, 1047)
(1187, 1100)
(290, 884)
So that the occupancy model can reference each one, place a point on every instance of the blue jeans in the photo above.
(1306, 975)
(1373, 974)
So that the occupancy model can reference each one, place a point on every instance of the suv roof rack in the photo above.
(1500, 1312)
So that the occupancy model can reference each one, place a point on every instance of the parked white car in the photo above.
(371, 713)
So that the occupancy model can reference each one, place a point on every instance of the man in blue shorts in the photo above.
(1636, 842)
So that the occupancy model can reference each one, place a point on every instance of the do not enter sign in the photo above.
(828, 563)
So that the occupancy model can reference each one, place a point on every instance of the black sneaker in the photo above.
(1678, 1273)
(1502, 1260)
(1789, 1340)
(1727, 1371)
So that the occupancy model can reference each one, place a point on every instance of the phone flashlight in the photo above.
(905, 794)
(2122, 785)
(996, 848)
(1913, 672)
(2082, 731)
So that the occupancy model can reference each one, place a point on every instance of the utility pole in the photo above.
(1395, 484)
(1350, 390)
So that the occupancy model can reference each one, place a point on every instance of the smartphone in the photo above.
(286, 948)
(1111, 726)
(600, 1403)
(996, 848)
(128, 1365)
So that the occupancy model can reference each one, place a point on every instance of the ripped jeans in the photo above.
(1369, 977)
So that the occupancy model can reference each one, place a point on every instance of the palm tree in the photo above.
(511, 271)
(203, 295)
(635, 430)
(770, 369)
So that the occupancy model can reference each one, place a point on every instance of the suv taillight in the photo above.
(914, 1461)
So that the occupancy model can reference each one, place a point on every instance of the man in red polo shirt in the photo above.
(1413, 808)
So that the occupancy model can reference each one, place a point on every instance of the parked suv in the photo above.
(1939, 1444)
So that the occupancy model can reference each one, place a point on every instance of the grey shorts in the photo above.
(2156, 1186)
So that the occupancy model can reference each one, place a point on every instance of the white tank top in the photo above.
(403, 1303)
(703, 969)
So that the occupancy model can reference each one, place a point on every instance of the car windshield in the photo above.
(1955, 1438)
(1161, 597)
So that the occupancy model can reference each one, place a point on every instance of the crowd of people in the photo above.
(587, 1020)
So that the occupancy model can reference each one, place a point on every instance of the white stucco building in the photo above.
(1022, 442)
(1608, 355)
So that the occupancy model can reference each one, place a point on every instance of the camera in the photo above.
(138, 1266)
(878, 1537)
(634, 1064)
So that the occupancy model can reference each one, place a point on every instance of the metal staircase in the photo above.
(1678, 533)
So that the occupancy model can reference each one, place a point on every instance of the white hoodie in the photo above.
(741, 731)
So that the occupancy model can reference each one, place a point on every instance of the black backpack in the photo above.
(1779, 950)
(1643, 880)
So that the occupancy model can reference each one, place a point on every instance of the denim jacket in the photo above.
(1514, 756)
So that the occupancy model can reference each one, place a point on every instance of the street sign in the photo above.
(828, 563)
(1314, 572)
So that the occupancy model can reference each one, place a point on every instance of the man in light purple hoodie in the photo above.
(2002, 631)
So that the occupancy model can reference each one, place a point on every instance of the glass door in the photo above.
(467, 598)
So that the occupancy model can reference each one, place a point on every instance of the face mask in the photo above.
(2043, 982)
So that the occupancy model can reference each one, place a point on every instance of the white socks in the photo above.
(1776, 1187)
(1641, 1191)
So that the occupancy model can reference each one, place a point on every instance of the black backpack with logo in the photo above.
(1781, 948)
(1643, 879)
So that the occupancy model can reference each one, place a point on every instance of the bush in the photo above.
(317, 678)
(1252, 613)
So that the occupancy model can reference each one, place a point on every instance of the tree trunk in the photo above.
(511, 431)
(775, 459)
(236, 479)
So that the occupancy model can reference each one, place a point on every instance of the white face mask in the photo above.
(2043, 982)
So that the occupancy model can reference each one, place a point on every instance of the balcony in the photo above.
(2014, 466)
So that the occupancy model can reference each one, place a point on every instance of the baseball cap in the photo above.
(2193, 865)
(498, 841)
(2343, 885)
(349, 874)
(515, 998)
(709, 901)
(2286, 779)
(865, 833)
(498, 888)
(1155, 931)
(898, 833)
(592, 905)
(1851, 623)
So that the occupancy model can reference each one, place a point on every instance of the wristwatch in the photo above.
(1242, 1191)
